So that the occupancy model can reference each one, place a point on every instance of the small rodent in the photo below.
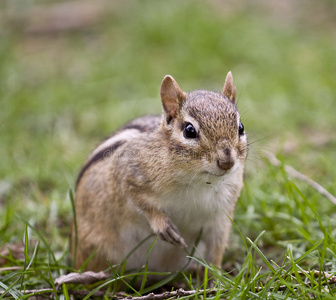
(173, 175)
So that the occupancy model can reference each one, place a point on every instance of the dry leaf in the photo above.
(83, 278)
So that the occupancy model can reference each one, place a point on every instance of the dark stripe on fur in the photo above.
(99, 156)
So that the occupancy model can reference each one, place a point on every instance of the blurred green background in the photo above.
(72, 72)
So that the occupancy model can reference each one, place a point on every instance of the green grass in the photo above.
(63, 91)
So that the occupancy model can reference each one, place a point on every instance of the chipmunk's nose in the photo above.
(225, 164)
(226, 161)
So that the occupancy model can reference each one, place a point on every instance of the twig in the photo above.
(331, 278)
(296, 174)
(151, 296)
(33, 292)
(175, 294)
(88, 277)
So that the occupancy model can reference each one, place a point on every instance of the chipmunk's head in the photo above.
(204, 130)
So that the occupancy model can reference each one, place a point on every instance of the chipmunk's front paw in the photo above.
(171, 234)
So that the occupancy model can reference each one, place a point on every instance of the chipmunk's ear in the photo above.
(229, 89)
(172, 97)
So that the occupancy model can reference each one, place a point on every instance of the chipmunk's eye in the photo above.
(189, 131)
(241, 128)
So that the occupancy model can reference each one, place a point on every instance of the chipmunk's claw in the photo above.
(172, 235)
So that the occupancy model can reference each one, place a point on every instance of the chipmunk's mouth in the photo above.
(215, 174)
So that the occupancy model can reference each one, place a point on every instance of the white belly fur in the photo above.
(191, 209)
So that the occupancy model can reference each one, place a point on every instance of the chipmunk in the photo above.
(172, 175)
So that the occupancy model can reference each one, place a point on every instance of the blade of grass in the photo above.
(205, 281)
(115, 279)
(73, 207)
(8, 289)
(295, 271)
(33, 256)
(269, 265)
(131, 288)
(43, 240)
(188, 280)
(51, 280)
(65, 291)
(144, 278)
(160, 283)
(26, 241)
(113, 270)
(123, 264)
(308, 252)
(86, 262)
(26, 256)
(7, 219)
